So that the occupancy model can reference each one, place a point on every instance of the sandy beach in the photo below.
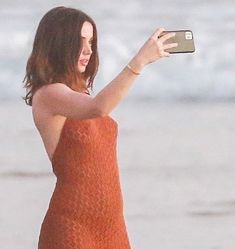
(177, 173)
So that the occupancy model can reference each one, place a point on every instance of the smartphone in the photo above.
(185, 41)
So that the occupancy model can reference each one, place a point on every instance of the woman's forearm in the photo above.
(113, 93)
(153, 49)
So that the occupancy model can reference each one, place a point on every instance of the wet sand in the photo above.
(177, 173)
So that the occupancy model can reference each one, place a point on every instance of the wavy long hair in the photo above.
(56, 49)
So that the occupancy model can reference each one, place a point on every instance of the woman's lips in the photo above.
(84, 62)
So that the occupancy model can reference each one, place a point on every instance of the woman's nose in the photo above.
(87, 49)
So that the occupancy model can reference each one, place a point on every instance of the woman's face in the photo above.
(87, 35)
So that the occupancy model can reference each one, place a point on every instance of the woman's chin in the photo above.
(81, 69)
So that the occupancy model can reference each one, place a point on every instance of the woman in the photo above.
(86, 208)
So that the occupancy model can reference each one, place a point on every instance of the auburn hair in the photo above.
(56, 49)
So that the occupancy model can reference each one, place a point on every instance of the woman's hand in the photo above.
(153, 48)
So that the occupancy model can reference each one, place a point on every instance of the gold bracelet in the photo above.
(133, 71)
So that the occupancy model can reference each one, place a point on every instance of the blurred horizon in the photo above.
(123, 27)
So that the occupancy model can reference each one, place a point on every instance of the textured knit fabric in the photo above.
(86, 207)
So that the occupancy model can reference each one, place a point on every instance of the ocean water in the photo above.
(123, 27)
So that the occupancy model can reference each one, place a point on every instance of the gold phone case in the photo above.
(185, 41)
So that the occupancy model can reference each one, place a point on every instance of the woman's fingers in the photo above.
(166, 54)
(163, 38)
(156, 34)
(154, 47)
(170, 45)
(163, 53)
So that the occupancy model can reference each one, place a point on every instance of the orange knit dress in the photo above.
(86, 207)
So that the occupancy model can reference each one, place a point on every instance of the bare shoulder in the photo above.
(50, 88)
(48, 125)
(46, 92)
(59, 99)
